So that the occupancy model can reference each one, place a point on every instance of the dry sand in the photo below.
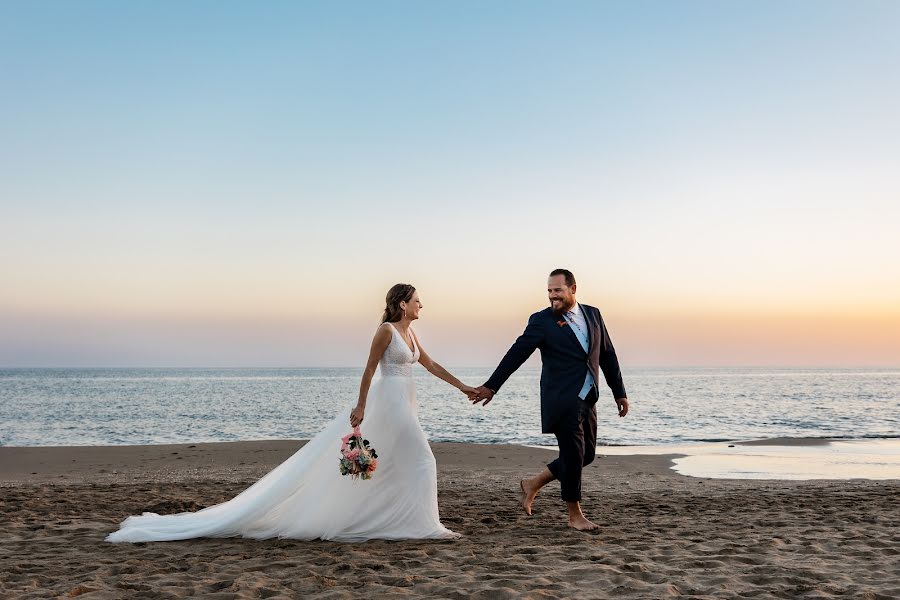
(662, 534)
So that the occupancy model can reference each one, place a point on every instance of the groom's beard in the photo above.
(563, 309)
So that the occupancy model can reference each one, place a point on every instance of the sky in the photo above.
(238, 184)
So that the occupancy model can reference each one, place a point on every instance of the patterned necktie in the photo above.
(571, 315)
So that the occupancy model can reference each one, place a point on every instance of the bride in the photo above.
(305, 497)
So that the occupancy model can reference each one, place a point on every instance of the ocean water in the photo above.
(51, 407)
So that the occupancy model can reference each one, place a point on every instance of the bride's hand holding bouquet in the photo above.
(357, 415)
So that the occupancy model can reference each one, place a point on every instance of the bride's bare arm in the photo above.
(440, 372)
(379, 344)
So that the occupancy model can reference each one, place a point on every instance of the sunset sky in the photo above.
(238, 184)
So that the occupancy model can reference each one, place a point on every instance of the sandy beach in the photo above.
(663, 534)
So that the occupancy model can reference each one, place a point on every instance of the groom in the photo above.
(575, 347)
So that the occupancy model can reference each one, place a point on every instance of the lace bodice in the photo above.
(398, 359)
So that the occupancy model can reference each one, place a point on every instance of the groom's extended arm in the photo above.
(518, 353)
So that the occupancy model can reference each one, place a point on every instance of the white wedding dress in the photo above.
(306, 497)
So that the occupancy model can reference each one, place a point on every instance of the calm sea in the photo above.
(47, 407)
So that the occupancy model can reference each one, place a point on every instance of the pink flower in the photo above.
(346, 438)
(373, 464)
(353, 454)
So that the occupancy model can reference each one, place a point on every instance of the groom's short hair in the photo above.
(570, 279)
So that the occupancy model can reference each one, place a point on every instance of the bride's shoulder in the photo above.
(383, 335)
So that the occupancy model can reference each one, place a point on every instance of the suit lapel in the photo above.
(590, 326)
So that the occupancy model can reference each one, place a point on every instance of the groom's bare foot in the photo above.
(529, 492)
(581, 523)
(577, 520)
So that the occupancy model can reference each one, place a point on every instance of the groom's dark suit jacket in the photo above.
(565, 363)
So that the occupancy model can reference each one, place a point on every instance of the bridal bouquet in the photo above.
(358, 459)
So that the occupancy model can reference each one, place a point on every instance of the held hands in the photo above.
(356, 415)
(483, 393)
(469, 391)
(478, 394)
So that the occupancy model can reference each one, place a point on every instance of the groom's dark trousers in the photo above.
(577, 439)
(565, 364)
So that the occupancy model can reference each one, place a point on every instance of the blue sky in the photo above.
(203, 164)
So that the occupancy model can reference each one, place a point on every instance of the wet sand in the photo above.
(662, 535)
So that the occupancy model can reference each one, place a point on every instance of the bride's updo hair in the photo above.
(402, 292)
